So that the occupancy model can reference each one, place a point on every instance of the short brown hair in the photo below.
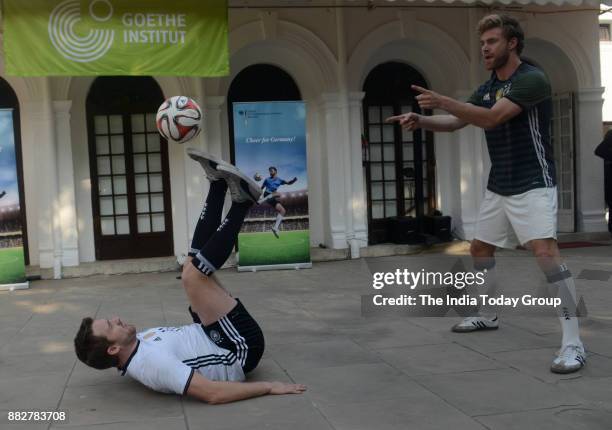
(91, 349)
(510, 28)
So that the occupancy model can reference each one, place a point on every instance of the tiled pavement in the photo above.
(362, 373)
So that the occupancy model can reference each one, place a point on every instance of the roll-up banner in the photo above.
(115, 37)
(270, 146)
(12, 263)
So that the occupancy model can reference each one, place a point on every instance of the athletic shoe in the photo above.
(570, 358)
(475, 323)
(208, 162)
(242, 188)
(275, 231)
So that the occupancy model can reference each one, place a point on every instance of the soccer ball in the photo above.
(178, 119)
(257, 177)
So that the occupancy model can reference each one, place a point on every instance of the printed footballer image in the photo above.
(276, 230)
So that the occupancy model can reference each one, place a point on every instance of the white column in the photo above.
(316, 169)
(213, 116)
(472, 172)
(66, 197)
(345, 137)
(358, 202)
(470, 179)
(590, 203)
(334, 198)
(42, 123)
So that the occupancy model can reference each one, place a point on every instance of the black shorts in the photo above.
(237, 332)
(273, 201)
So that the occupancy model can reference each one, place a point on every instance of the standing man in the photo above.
(514, 107)
(270, 185)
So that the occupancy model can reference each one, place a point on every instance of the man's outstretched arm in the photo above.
(412, 121)
(502, 111)
(218, 392)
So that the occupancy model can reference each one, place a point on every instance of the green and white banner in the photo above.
(116, 37)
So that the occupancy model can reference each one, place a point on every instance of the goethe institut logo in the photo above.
(82, 49)
(138, 28)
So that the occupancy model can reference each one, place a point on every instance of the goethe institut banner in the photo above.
(116, 37)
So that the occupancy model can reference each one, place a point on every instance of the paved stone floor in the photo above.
(361, 373)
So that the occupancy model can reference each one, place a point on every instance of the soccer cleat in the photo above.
(470, 324)
(242, 188)
(208, 162)
(275, 231)
(570, 358)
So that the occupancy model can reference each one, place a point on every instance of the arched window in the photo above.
(400, 165)
(129, 169)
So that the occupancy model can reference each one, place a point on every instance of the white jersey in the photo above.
(165, 359)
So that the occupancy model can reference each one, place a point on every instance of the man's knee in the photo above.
(481, 249)
(190, 275)
(544, 249)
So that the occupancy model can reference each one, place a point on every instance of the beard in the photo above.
(500, 61)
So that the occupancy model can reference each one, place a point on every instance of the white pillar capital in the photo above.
(355, 99)
(590, 95)
(214, 102)
(62, 106)
(330, 100)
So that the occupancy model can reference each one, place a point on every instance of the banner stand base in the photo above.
(294, 266)
(13, 287)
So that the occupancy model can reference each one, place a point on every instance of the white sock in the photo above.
(279, 219)
(489, 288)
(566, 290)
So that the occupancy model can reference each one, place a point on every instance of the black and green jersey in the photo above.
(520, 149)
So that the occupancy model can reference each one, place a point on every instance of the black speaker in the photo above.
(439, 226)
(404, 230)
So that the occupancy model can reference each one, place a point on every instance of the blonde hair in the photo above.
(510, 28)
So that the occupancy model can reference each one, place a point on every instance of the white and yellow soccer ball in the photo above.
(257, 177)
(179, 119)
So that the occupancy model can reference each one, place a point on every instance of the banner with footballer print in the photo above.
(270, 146)
(12, 263)
(116, 37)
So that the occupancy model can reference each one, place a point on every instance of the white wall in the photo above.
(606, 69)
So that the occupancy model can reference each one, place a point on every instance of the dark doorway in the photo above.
(129, 169)
(400, 165)
(259, 83)
(9, 100)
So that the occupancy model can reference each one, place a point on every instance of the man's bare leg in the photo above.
(207, 298)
